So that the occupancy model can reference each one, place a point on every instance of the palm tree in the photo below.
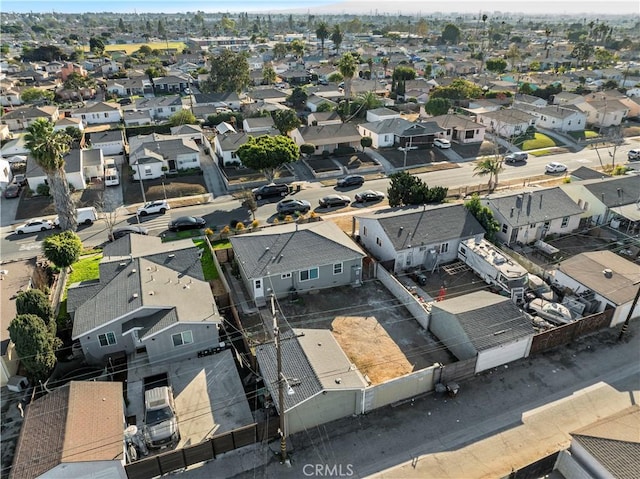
(491, 167)
(322, 32)
(367, 101)
(48, 148)
(370, 63)
(347, 66)
(385, 64)
(336, 37)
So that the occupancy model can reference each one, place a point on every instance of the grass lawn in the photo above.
(540, 141)
(584, 134)
(208, 266)
(85, 269)
(129, 48)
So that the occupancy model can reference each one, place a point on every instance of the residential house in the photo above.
(226, 145)
(124, 87)
(322, 383)
(5, 174)
(73, 168)
(411, 238)
(296, 76)
(460, 128)
(269, 95)
(111, 142)
(92, 163)
(15, 150)
(219, 100)
(314, 102)
(262, 124)
(224, 127)
(527, 217)
(609, 447)
(564, 119)
(419, 134)
(54, 67)
(160, 108)
(276, 260)
(585, 173)
(607, 198)
(151, 296)
(172, 84)
(99, 113)
(76, 430)
(604, 113)
(21, 118)
(329, 92)
(609, 279)
(567, 98)
(631, 103)
(461, 67)
(68, 68)
(191, 132)
(384, 133)
(66, 122)
(506, 123)
(530, 100)
(379, 114)
(327, 137)
(137, 118)
(324, 118)
(10, 96)
(483, 326)
(151, 155)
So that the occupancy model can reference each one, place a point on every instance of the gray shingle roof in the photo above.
(430, 225)
(342, 133)
(534, 206)
(488, 319)
(203, 98)
(72, 164)
(159, 101)
(389, 125)
(607, 190)
(107, 136)
(283, 249)
(151, 324)
(586, 173)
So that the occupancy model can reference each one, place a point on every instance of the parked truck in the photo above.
(160, 418)
(494, 267)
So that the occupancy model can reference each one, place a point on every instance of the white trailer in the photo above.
(494, 267)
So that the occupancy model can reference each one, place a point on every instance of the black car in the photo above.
(369, 195)
(290, 206)
(12, 191)
(187, 223)
(351, 180)
(270, 190)
(334, 200)
(127, 230)
(518, 157)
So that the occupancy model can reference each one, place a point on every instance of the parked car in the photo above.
(334, 200)
(187, 223)
(369, 195)
(555, 167)
(33, 226)
(12, 191)
(442, 143)
(518, 157)
(154, 207)
(350, 180)
(554, 312)
(160, 418)
(84, 216)
(20, 180)
(270, 190)
(127, 230)
(291, 205)
(633, 155)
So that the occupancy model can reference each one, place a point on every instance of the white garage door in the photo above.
(503, 354)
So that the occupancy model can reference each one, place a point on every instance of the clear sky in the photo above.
(423, 7)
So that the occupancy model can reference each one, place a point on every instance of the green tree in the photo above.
(48, 148)
(336, 38)
(280, 50)
(297, 47)
(513, 55)
(451, 34)
(229, 73)
(484, 215)
(36, 95)
(96, 45)
(298, 97)
(34, 301)
(491, 167)
(286, 121)
(62, 249)
(459, 89)
(366, 101)
(496, 65)
(307, 149)
(35, 345)
(582, 52)
(385, 64)
(324, 106)
(183, 117)
(403, 73)
(366, 142)
(268, 74)
(347, 66)
(406, 189)
(76, 81)
(437, 106)
(322, 32)
(268, 154)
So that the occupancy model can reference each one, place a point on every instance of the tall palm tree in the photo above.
(491, 167)
(347, 66)
(322, 32)
(385, 64)
(367, 101)
(48, 148)
(370, 63)
(337, 37)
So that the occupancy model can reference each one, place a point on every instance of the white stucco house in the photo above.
(98, 113)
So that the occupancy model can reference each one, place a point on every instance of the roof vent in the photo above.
(135, 295)
(607, 273)
(122, 265)
(172, 255)
(134, 271)
(151, 293)
(338, 380)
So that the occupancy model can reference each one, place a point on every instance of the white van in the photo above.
(84, 216)
(111, 177)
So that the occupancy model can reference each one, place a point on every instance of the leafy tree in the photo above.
(451, 34)
(75, 134)
(324, 106)
(298, 97)
(335, 77)
(491, 167)
(234, 118)
(307, 149)
(406, 189)
(347, 65)
(582, 52)
(48, 148)
(144, 50)
(62, 249)
(403, 73)
(35, 345)
(286, 121)
(366, 142)
(336, 37)
(36, 95)
(96, 45)
(76, 81)
(34, 301)
(459, 89)
(496, 65)
(322, 32)
(437, 106)
(535, 66)
(297, 47)
(513, 54)
(268, 74)
(45, 53)
(268, 153)
(229, 72)
(183, 117)
(484, 215)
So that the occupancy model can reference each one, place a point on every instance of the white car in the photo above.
(633, 155)
(555, 167)
(34, 226)
(442, 143)
(154, 207)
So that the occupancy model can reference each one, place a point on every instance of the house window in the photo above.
(179, 339)
(547, 224)
(532, 225)
(107, 339)
(565, 222)
(444, 248)
(308, 274)
(159, 110)
(505, 228)
(106, 115)
(233, 154)
(337, 268)
(285, 276)
(378, 242)
(147, 171)
(364, 231)
(468, 134)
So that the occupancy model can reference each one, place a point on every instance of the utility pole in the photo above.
(625, 326)
(281, 380)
